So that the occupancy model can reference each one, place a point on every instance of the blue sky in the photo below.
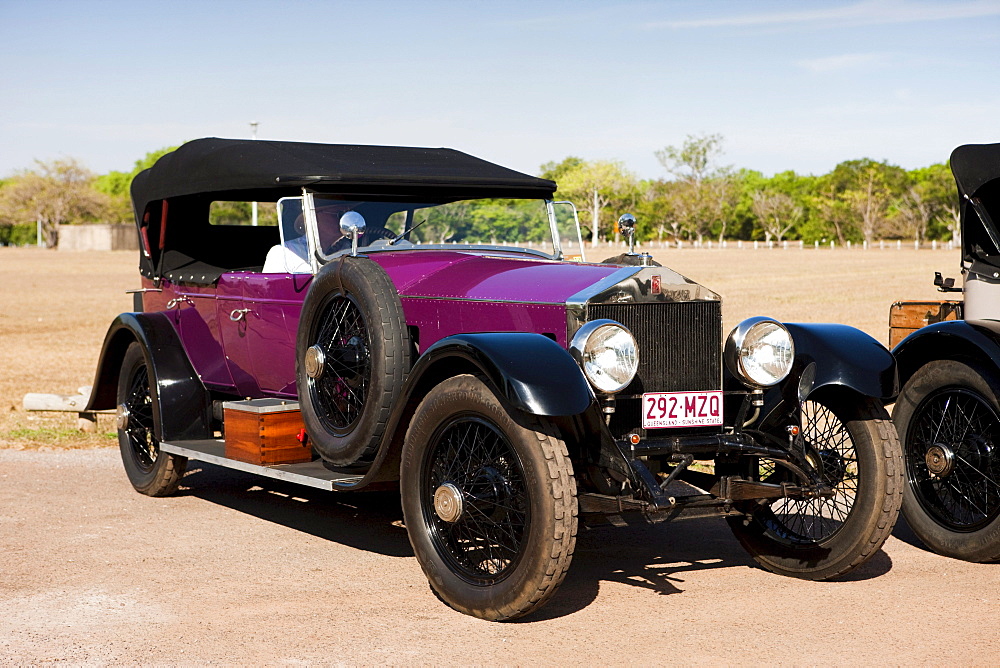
(789, 85)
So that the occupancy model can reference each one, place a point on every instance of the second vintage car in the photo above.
(394, 328)
(948, 414)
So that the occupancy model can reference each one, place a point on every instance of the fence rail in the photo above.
(649, 246)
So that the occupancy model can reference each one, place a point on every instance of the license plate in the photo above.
(681, 409)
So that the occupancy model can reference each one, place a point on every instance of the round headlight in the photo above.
(760, 352)
(607, 353)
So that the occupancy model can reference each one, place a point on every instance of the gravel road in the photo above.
(237, 569)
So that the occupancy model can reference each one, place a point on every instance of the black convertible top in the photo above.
(248, 170)
(975, 165)
(172, 198)
(976, 168)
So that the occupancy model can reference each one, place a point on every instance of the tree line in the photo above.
(697, 199)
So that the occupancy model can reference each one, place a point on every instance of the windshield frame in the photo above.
(317, 257)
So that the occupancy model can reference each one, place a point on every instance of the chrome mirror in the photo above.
(352, 226)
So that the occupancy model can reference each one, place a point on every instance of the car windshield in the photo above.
(495, 222)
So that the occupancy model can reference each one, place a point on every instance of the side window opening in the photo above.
(241, 213)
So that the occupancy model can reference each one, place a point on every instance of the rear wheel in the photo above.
(948, 418)
(489, 504)
(150, 471)
(852, 445)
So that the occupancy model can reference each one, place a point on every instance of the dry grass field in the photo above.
(56, 306)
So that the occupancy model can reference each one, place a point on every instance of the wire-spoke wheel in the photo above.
(353, 354)
(948, 417)
(830, 449)
(489, 502)
(343, 353)
(473, 468)
(852, 447)
(150, 471)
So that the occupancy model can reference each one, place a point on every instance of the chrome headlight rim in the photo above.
(578, 349)
(734, 351)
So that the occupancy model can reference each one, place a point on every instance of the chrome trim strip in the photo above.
(480, 301)
(606, 283)
(378, 247)
(576, 305)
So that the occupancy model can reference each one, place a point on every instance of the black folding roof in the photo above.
(976, 168)
(975, 165)
(239, 169)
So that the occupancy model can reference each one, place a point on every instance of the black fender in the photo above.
(975, 341)
(531, 371)
(830, 357)
(181, 404)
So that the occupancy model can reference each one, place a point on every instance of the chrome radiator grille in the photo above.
(680, 348)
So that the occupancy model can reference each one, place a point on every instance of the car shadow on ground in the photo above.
(371, 521)
(651, 557)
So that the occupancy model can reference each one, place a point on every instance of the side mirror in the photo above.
(352, 226)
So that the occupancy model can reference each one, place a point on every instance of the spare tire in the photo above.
(352, 356)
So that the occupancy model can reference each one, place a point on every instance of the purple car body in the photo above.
(507, 390)
(252, 353)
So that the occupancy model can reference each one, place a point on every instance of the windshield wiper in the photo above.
(407, 231)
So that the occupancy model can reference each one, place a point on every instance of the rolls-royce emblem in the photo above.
(654, 285)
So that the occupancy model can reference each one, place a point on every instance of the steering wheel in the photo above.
(370, 235)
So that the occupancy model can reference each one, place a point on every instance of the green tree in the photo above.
(554, 171)
(935, 185)
(597, 185)
(692, 160)
(777, 212)
(55, 193)
(116, 185)
(708, 194)
(855, 197)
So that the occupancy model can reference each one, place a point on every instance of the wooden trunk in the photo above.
(907, 317)
(264, 431)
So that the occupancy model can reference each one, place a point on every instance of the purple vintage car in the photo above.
(395, 309)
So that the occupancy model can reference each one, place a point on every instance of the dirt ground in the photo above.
(238, 570)
(242, 570)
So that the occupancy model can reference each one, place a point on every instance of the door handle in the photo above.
(238, 314)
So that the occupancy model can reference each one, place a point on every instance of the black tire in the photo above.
(151, 471)
(496, 559)
(854, 445)
(353, 314)
(948, 419)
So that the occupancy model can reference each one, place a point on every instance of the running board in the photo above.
(312, 474)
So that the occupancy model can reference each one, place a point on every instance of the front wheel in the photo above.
(853, 447)
(948, 418)
(151, 471)
(489, 504)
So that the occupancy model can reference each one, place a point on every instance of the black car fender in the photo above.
(830, 357)
(970, 340)
(181, 405)
(530, 371)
